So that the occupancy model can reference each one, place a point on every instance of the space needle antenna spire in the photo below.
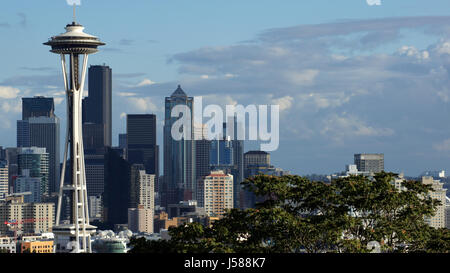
(74, 13)
(74, 235)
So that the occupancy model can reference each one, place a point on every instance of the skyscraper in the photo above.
(371, 163)
(37, 107)
(35, 160)
(11, 155)
(97, 108)
(179, 155)
(141, 142)
(23, 133)
(95, 171)
(257, 163)
(227, 154)
(202, 151)
(116, 198)
(40, 127)
(45, 133)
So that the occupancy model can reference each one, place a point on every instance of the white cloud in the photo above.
(443, 146)
(411, 51)
(58, 100)
(229, 75)
(73, 2)
(443, 47)
(143, 104)
(304, 77)
(126, 94)
(219, 99)
(11, 107)
(339, 127)
(145, 82)
(373, 2)
(285, 103)
(7, 92)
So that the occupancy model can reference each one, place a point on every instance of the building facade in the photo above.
(439, 193)
(29, 185)
(371, 163)
(179, 155)
(4, 179)
(36, 160)
(140, 219)
(141, 142)
(29, 218)
(40, 127)
(37, 107)
(215, 193)
(257, 163)
(97, 108)
(45, 133)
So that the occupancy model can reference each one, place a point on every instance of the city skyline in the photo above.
(331, 107)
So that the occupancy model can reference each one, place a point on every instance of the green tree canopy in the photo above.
(303, 216)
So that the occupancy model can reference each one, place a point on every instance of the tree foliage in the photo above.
(303, 216)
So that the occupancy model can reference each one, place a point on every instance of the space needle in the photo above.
(74, 236)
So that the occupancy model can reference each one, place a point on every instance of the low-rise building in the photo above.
(8, 244)
(40, 246)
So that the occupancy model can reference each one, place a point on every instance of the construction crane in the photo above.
(16, 223)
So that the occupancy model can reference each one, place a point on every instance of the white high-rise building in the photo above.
(4, 178)
(215, 193)
(95, 208)
(447, 213)
(439, 193)
(140, 219)
(146, 190)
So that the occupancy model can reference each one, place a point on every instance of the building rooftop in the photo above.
(257, 153)
(179, 92)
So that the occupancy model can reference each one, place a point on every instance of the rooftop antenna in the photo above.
(74, 13)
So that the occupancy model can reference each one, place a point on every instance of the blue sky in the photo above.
(350, 77)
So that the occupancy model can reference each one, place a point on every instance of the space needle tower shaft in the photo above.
(74, 236)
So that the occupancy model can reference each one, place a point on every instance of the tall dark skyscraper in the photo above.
(37, 107)
(97, 108)
(202, 151)
(141, 142)
(179, 155)
(116, 198)
(45, 132)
